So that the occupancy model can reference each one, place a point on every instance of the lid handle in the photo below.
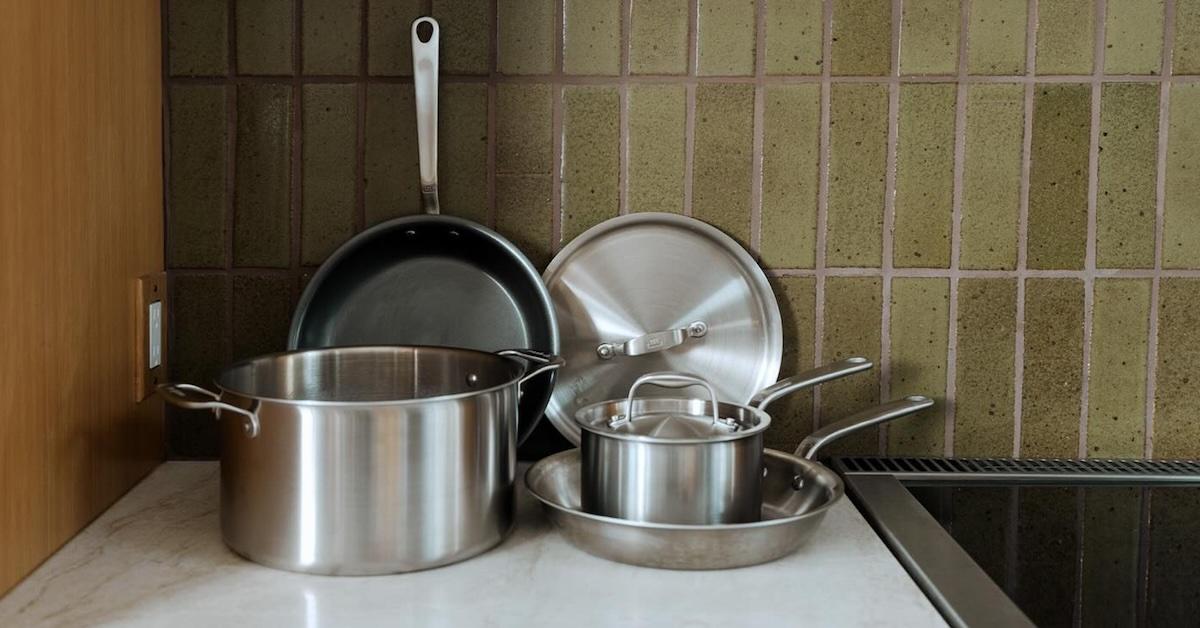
(671, 379)
(652, 342)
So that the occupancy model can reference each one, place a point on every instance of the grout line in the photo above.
(623, 114)
(1081, 530)
(1023, 227)
(558, 136)
(822, 205)
(889, 220)
(758, 139)
(950, 405)
(296, 161)
(231, 118)
(853, 271)
(1142, 596)
(1089, 264)
(689, 130)
(360, 125)
(1012, 541)
(492, 116)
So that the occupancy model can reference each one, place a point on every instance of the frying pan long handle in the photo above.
(425, 86)
(197, 398)
(811, 447)
(808, 379)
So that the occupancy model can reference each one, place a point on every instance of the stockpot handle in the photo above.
(808, 379)
(425, 89)
(672, 379)
(545, 361)
(197, 398)
(652, 342)
(811, 447)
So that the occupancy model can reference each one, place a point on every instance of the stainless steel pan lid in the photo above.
(659, 292)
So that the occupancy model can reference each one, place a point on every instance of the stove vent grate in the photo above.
(1018, 469)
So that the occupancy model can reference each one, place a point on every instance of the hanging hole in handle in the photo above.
(424, 31)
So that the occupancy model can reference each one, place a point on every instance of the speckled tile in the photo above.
(526, 36)
(591, 157)
(1187, 37)
(1046, 571)
(592, 37)
(1058, 176)
(1111, 575)
(262, 312)
(657, 117)
(200, 335)
(1173, 552)
(991, 202)
(987, 328)
(983, 514)
(1133, 37)
(857, 161)
(391, 172)
(1065, 37)
(792, 416)
(196, 188)
(1181, 221)
(658, 37)
(262, 197)
(862, 38)
(523, 214)
(1176, 395)
(523, 143)
(467, 33)
(853, 308)
(1053, 363)
(197, 34)
(929, 37)
(919, 332)
(726, 32)
(793, 37)
(1117, 381)
(264, 36)
(924, 176)
(1125, 205)
(721, 166)
(389, 34)
(462, 151)
(332, 32)
(790, 176)
(996, 37)
(327, 178)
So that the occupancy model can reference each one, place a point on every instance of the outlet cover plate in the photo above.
(150, 336)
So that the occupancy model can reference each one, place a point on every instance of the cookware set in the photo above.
(426, 348)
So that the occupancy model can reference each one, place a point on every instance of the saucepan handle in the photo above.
(425, 88)
(811, 447)
(197, 398)
(672, 379)
(808, 379)
(545, 361)
(652, 342)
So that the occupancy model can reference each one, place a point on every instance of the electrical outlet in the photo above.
(150, 337)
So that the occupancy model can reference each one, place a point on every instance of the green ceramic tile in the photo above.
(1111, 574)
(853, 309)
(657, 117)
(462, 150)
(983, 514)
(199, 327)
(790, 176)
(726, 33)
(996, 37)
(987, 329)
(1181, 221)
(1045, 570)
(526, 36)
(332, 36)
(794, 37)
(197, 38)
(592, 37)
(591, 157)
(327, 179)
(929, 37)
(1187, 37)
(1053, 368)
(924, 176)
(466, 34)
(1133, 34)
(196, 189)
(862, 38)
(1125, 207)
(523, 143)
(523, 214)
(262, 312)
(1058, 176)
(262, 198)
(919, 331)
(857, 161)
(721, 164)
(389, 37)
(1117, 380)
(792, 416)
(659, 32)
(1176, 396)
(264, 36)
(1065, 37)
(991, 201)
(1173, 556)
(390, 170)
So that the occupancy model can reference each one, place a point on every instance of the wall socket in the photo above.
(150, 336)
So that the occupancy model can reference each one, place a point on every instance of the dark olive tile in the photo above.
(462, 173)
(862, 38)
(857, 162)
(592, 37)
(329, 138)
(1127, 179)
(197, 37)
(1111, 523)
(853, 310)
(982, 516)
(526, 32)
(1172, 596)
(196, 185)
(920, 327)
(200, 333)
(264, 36)
(523, 132)
(721, 164)
(1058, 176)
(263, 161)
(466, 35)
(1117, 379)
(392, 176)
(332, 36)
(991, 202)
(726, 37)
(591, 157)
(1065, 37)
(657, 147)
(1053, 368)
(389, 37)
(924, 176)
(1176, 396)
(659, 32)
(523, 214)
(792, 416)
(793, 37)
(262, 312)
(996, 37)
(790, 175)
(1133, 37)
(1187, 37)
(929, 37)
(1181, 221)
(1047, 540)
(987, 327)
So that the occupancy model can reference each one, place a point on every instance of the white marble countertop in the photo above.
(156, 559)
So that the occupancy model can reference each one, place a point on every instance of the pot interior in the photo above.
(369, 374)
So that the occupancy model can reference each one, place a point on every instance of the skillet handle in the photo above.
(810, 448)
(545, 361)
(197, 398)
(425, 87)
(808, 379)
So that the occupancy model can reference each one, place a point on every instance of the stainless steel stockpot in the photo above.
(367, 460)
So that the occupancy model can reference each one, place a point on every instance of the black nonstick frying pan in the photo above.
(431, 279)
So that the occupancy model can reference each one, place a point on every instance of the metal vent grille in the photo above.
(1022, 469)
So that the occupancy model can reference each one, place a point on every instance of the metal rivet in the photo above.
(472, 379)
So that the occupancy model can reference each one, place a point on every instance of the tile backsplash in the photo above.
(994, 199)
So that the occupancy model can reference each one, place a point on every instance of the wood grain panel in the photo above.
(80, 220)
